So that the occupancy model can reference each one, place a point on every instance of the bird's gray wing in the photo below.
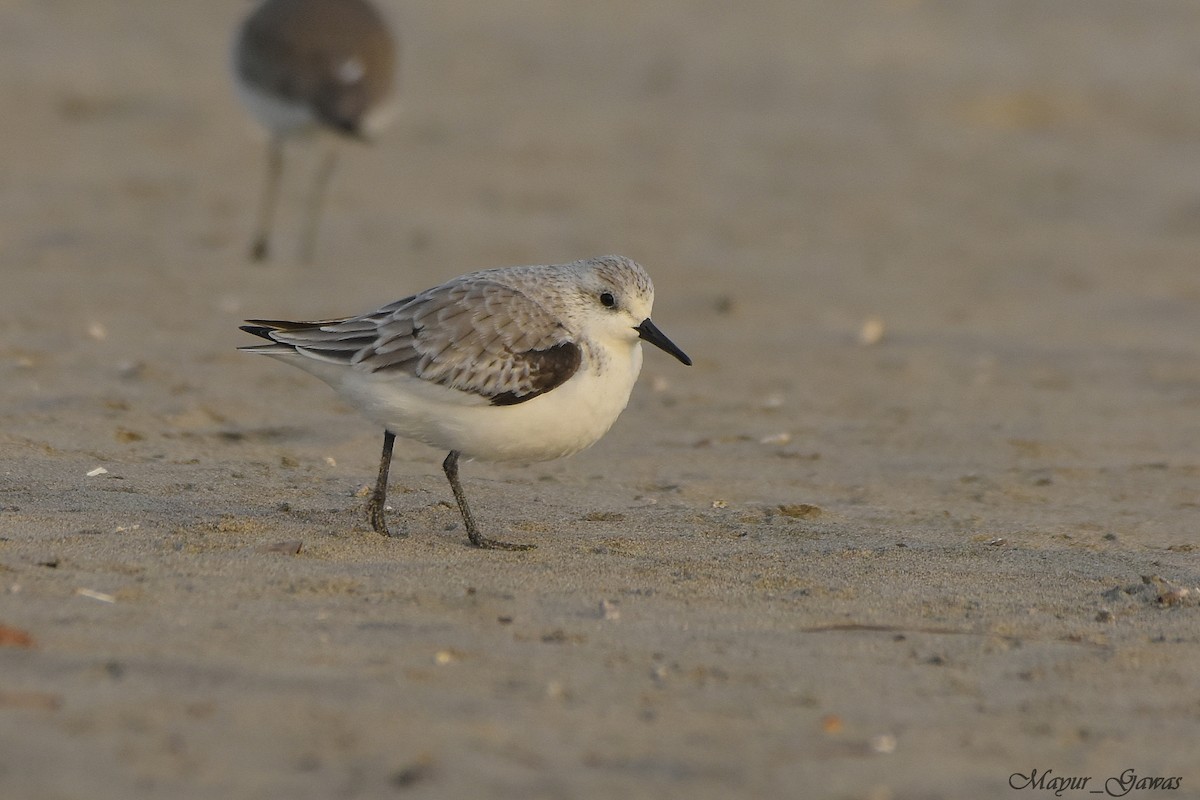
(475, 336)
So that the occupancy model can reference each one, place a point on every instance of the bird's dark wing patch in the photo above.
(546, 369)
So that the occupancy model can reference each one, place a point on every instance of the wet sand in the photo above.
(921, 516)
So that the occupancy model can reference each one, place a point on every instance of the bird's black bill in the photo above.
(654, 336)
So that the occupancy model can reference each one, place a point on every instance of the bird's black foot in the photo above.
(377, 515)
(495, 544)
(259, 250)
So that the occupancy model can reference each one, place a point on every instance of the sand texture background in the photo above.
(807, 566)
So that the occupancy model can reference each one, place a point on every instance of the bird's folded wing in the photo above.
(479, 337)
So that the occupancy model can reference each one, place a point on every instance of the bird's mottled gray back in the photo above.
(473, 335)
(490, 333)
(477, 336)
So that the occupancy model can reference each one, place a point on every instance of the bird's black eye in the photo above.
(607, 300)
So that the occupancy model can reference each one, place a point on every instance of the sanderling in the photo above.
(517, 364)
(302, 66)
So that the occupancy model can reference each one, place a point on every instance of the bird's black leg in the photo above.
(450, 466)
(270, 199)
(316, 199)
(378, 502)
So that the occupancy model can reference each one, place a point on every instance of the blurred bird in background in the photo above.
(306, 66)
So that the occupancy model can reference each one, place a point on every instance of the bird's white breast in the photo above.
(277, 115)
(565, 420)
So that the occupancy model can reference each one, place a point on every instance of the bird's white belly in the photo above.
(560, 422)
(277, 115)
(286, 118)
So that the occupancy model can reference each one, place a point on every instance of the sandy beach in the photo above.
(921, 519)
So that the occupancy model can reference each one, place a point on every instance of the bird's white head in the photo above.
(614, 300)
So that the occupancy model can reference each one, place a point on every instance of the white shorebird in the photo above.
(303, 66)
(518, 364)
